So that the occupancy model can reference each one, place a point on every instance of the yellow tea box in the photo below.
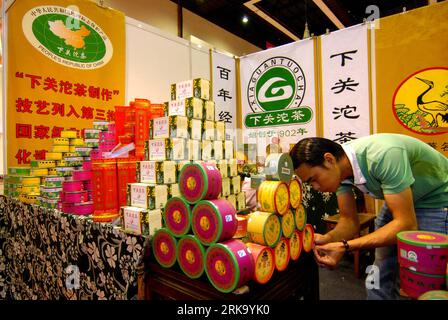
(232, 199)
(220, 130)
(167, 149)
(76, 142)
(169, 127)
(159, 172)
(195, 129)
(173, 190)
(189, 107)
(39, 172)
(228, 150)
(241, 201)
(194, 149)
(207, 150)
(233, 168)
(223, 168)
(166, 172)
(146, 171)
(69, 134)
(53, 156)
(154, 221)
(61, 141)
(208, 130)
(148, 196)
(209, 110)
(225, 187)
(139, 221)
(135, 220)
(218, 150)
(178, 149)
(235, 186)
(198, 88)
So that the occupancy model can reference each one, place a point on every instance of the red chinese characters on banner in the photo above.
(23, 156)
(67, 87)
(26, 131)
(43, 107)
(40, 154)
(23, 130)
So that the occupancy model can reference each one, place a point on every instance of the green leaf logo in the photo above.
(277, 84)
(275, 89)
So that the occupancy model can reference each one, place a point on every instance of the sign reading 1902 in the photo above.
(275, 93)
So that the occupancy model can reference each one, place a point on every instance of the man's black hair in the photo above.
(311, 151)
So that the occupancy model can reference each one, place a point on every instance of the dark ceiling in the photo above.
(292, 15)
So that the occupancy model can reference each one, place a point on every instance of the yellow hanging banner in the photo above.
(65, 69)
(412, 74)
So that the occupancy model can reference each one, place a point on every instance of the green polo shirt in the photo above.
(390, 163)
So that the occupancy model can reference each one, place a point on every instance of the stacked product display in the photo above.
(204, 234)
(199, 230)
(76, 196)
(184, 132)
(62, 180)
(278, 230)
(170, 174)
(422, 256)
(104, 171)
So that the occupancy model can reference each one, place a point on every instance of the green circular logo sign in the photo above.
(277, 84)
(67, 37)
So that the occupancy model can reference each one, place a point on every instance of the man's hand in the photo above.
(321, 238)
(328, 255)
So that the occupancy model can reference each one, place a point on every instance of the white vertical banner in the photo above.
(224, 91)
(345, 84)
(278, 95)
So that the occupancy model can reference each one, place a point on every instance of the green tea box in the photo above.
(207, 150)
(192, 108)
(225, 192)
(235, 186)
(198, 88)
(167, 149)
(173, 190)
(208, 130)
(232, 199)
(228, 150)
(169, 127)
(195, 129)
(218, 150)
(223, 167)
(134, 220)
(233, 168)
(241, 201)
(220, 127)
(194, 149)
(148, 196)
(158, 172)
(209, 110)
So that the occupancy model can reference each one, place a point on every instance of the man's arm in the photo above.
(348, 224)
(402, 207)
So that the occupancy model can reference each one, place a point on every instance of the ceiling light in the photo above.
(245, 19)
(306, 32)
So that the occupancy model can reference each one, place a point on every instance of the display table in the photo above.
(45, 254)
(299, 280)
